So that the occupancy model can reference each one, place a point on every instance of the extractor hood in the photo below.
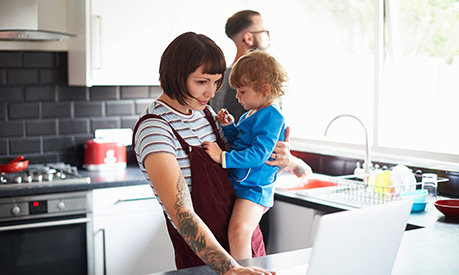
(33, 20)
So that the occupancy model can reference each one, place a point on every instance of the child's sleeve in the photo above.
(231, 132)
(266, 131)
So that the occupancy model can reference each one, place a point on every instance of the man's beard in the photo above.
(257, 46)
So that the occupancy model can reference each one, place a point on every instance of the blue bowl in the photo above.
(418, 196)
(418, 206)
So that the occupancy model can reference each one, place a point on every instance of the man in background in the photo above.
(247, 30)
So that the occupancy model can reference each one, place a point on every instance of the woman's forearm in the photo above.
(196, 234)
(202, 242)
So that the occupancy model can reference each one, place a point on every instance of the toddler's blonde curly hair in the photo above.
(257, 68)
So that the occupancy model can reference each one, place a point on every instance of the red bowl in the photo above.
(450, 208)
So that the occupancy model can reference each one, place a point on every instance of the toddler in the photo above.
(258, 79)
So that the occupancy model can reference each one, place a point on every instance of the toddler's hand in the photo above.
(224, 118)
(214, 151)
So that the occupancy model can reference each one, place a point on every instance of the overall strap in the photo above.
(214, 127)
(184, 144)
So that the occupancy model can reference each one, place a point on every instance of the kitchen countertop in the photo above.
(431, 247)
(103, 179)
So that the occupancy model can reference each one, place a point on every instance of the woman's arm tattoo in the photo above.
(196, 239)
(183, 194)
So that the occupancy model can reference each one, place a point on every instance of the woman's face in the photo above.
(202, 87)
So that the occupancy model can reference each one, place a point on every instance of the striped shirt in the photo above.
(154, 135)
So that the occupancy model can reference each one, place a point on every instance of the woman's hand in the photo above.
(249, 270)
(214, 151)
(286, 161)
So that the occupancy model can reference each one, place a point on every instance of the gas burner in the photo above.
(49, 173)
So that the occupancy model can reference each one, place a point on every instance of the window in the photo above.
(394, 64)
(420, 91)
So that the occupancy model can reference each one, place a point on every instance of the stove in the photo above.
(47, 173)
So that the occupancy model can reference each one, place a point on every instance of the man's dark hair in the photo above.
(239, 21)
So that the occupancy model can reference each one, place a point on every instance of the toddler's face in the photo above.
(250, 99)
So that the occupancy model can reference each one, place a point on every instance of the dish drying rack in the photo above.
(359, 191)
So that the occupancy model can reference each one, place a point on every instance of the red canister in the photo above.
(102, 154)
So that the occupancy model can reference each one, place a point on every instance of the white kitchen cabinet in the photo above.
(130, 234)
(118, 42)
(291, 227)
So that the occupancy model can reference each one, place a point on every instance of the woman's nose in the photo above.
(210, 92)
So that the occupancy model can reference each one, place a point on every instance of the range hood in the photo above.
(33, 20)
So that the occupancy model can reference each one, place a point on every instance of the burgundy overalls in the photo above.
(212, 196)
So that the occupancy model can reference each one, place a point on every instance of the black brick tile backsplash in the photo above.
(12, 128)
(41, 127)
(73, 126)
(103, 93)
(134, 92)
(141, 105)
(128, 122)
(23, 110)
(2, 77)
(22, 76)
(43, 158)
(56, 109)
(44, 118)
(105, 123)
(2, 110)
(72, 93)
(55, 144)
(9, 59)
(40, 93)
(119, 108)
(3, 146)
(39, 59)
(12, 94)
(25, 146)
(52, 76)
(89, 109)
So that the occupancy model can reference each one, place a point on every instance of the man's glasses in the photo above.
(266, 31)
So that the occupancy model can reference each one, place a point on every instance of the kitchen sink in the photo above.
(292, 183)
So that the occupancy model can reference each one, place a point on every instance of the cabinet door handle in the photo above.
(97, 43)
(135, 199)
(104, 253)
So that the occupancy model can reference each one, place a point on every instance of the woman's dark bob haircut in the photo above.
(182, 57)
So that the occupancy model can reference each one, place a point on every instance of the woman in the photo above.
(194, 191)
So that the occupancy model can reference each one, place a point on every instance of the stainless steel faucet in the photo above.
(367, 161)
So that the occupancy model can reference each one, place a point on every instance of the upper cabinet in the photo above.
(118, 42)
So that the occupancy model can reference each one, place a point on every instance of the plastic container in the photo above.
(418, 206)
(418, 196)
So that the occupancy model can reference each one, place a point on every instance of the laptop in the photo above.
(358, 242)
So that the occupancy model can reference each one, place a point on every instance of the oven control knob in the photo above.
(61, 205)
(15, 210)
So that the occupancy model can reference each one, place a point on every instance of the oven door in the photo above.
(57, 245)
